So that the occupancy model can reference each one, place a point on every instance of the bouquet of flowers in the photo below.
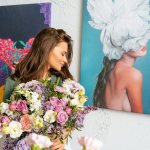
(47, 108)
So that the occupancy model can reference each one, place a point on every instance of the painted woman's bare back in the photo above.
(116, 97)
(116, 100)
(124, 88)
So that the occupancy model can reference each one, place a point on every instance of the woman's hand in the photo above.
(57, 145)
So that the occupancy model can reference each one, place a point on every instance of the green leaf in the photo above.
(22, 43)
(15, 44)
(35, 147)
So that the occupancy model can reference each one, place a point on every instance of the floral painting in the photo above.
(19, 25)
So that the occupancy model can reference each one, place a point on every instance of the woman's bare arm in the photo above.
(134, 90)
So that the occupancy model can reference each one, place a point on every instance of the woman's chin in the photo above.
(58, 69)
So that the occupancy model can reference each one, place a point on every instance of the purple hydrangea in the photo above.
(10, 143)
(21, 145)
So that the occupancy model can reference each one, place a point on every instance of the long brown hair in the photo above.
(108, 65)
(32, 66)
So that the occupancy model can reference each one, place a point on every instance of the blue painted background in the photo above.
(92, 57)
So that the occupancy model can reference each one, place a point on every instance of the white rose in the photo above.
(75, 102)
(21, 85)
(4, 108)
(37, 122)
(50, 116)
(15, 129)
(35, 96)
(1, 134)
(35, 105)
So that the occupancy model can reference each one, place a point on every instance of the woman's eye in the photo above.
(64, 54)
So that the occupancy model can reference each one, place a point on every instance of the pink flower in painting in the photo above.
(6, 44)
(30, 41)
(6, 50)
(9, 53)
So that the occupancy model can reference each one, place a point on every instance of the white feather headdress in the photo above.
(124, 24)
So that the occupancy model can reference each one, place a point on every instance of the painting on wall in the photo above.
(97, 74)
(19, 25)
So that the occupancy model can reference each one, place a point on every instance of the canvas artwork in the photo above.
(114, 76)
(19, 25)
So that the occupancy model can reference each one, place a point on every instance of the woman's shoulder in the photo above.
(127, 76)
(134, 74)
(56, 79)
(11, 80)
(127, 71)
(133, 78)
(9, 87)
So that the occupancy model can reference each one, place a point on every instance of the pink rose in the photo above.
(12, 106)
(55, 101)
(22, 106)
(38, 140)
(26, 123)
(5, 120)
(58, 108)
(64, 102)
(62, 117)
(68, 110)
(90, 143)
(25, 110)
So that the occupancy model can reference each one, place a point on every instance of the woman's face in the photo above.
(58, 56)
(141, 52)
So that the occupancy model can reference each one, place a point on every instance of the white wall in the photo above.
(66, 14)
(117, 130)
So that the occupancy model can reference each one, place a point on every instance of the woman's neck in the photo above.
(128, 60)
(46, 75)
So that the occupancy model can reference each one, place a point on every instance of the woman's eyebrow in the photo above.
(64, 51)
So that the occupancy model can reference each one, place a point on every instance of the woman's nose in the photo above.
(65, 59)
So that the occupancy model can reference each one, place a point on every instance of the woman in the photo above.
(122, 84)
(50, 54)
(125, 32)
